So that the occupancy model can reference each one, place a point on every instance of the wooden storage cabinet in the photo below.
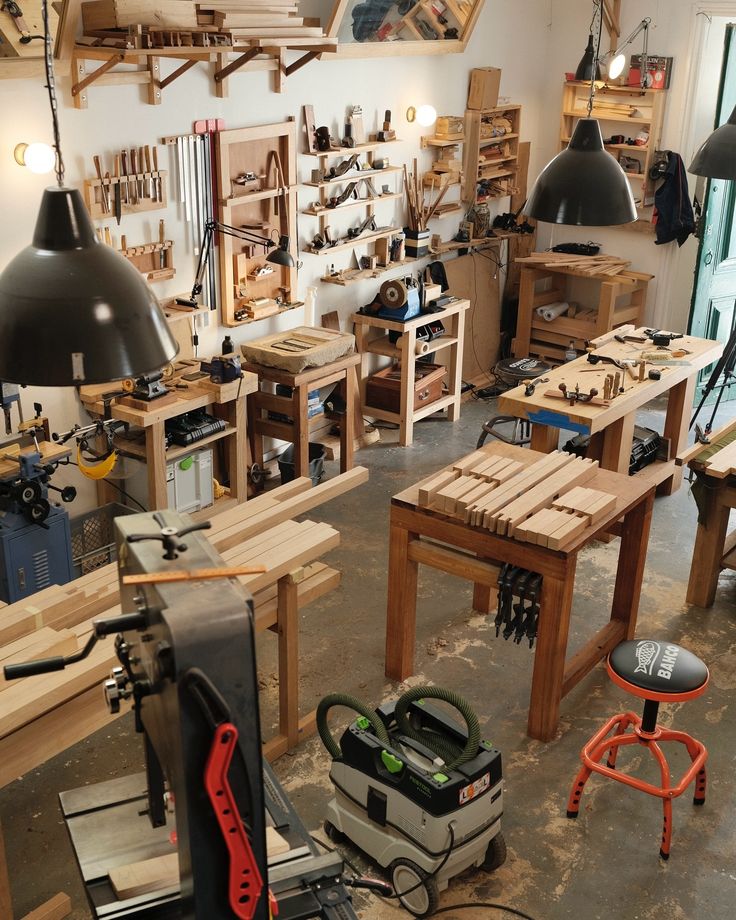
(624, 110)
(491, 152)
(383, 389)
(621, 299)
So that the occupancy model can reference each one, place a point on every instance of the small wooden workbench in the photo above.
(294, 427)
(371, 337)
(424, 535)
(714, 466)
(155, 453)
(611, 427)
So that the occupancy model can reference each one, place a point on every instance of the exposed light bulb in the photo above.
(39, 158)
(616, 67)
(426, 115)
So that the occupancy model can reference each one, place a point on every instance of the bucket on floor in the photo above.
(316, 463)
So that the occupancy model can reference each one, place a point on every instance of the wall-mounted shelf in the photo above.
(155, 182)
(351, 176)
(475, 168)
(348, 151)
(359, 240)
(351, 203)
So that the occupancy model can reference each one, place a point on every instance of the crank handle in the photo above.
(371, 884)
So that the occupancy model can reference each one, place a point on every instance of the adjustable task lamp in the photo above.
(584, 185)
(72, 310)
(618, 58)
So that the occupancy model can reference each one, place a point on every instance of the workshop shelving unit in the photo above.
(320, 210)
(616, 107)
(622, 299)
(440, 175)
(267, 152)
(491, 156)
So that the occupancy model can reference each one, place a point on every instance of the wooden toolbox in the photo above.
(383, 389)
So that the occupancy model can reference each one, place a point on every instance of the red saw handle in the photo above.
(246, 883)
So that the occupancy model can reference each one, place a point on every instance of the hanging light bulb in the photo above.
(426, 115)
(616, 67)
(73, 310)
(39, 158)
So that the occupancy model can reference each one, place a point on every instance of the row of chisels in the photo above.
(134, 179)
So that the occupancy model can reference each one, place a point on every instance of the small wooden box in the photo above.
(485, 83)
(383, 389)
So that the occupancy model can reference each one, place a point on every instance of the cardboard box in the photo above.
(483, 90)
(659, 69)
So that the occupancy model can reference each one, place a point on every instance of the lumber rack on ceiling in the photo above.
(270, 54)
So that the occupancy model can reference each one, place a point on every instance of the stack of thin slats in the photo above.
(256, 19)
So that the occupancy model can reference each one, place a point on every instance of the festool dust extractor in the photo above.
(416, 791)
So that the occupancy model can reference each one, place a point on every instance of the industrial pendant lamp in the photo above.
(73, 310)
(584, 185)
(588, 67)
(716, 159)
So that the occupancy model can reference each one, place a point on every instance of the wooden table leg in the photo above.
(401, 609)
(300, 401)
(545, 438)
(708, 551)
(406, 406)
(484, 597)
(287, 618)
(158, 496)
(455, 370)
(549, 656)
(618, 438)
(632, 557)
(234, 412)
(679, 408)
(347, 387)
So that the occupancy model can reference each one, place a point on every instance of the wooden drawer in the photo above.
(383, 389)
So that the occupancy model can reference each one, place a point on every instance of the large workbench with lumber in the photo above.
(41, 716)
(610, 422)
(714, 466)
(547, 278)
(505, 504)
(227, 402)
(372, 338)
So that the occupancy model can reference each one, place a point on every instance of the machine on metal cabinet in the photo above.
(185, 643)
(35, 539)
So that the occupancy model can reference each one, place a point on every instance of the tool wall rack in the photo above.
(154, 260)
(94, 194)
(267, 207)
(324, 192)
(270, 55)
(447, 168)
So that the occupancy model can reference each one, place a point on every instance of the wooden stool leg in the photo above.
(544, 438)
(288, 632)
(346, 389)
(484, 597)
(549, 658)
(300, 402)
(401, 610)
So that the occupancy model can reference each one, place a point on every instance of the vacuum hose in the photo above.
(453, 755)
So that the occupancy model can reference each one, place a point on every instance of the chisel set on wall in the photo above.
(133, 183)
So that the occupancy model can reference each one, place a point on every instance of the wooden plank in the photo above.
(145, 876)
(465, 464)
(568, 531)
(55, 908)
(723, 463)
(429, 487)
(471, 498)
(454, 562)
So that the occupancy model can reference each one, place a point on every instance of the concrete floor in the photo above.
(601, 866)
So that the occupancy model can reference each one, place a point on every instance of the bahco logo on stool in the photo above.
(647, 653)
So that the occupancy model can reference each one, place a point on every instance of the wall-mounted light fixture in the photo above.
(39, 158)
(425, 115)
(618, 58)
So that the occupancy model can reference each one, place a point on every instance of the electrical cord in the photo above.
(469, 906)
(122, 491)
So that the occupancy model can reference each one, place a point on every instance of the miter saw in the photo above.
(185, 645)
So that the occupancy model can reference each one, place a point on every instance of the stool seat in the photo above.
(659, 671)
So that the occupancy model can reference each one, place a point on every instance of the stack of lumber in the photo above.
(246, 20)
(599, 264)
(42, 716)
(542, 503)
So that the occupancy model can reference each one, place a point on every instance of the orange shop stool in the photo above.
(658, 672)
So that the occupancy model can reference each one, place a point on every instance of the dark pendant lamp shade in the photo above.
(716, 159)
(74, 311)
(588, 63)
(281, 255)
(584, 185)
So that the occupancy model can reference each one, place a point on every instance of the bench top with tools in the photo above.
(633, 360)
(505, 515)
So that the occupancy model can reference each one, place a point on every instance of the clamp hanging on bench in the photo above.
(521, 619)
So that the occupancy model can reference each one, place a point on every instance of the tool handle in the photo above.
(32, 668)
(155, 158)
(98, 167)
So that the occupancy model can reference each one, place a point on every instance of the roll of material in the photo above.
(553, 310)
(421, 348)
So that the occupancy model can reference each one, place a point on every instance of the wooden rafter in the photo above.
(611, 10)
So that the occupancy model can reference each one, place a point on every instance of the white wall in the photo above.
(680, 29)
(511, 34)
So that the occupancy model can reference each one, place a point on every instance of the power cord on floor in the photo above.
(493, 906)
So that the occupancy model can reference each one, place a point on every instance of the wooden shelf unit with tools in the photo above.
(447, 169)
(256, 173)
(154, 260)
(135, 184)
(549, 278)
(491, 157)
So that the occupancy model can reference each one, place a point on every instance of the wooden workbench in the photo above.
(232, 408)
(371, 337)
(611, 427)
(424, 535)
(714, 466)
(50, 453)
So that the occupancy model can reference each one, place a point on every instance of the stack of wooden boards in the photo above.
(41, 716)
(543, 503)
(716, 459)
(599, 264)
(185, 23)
